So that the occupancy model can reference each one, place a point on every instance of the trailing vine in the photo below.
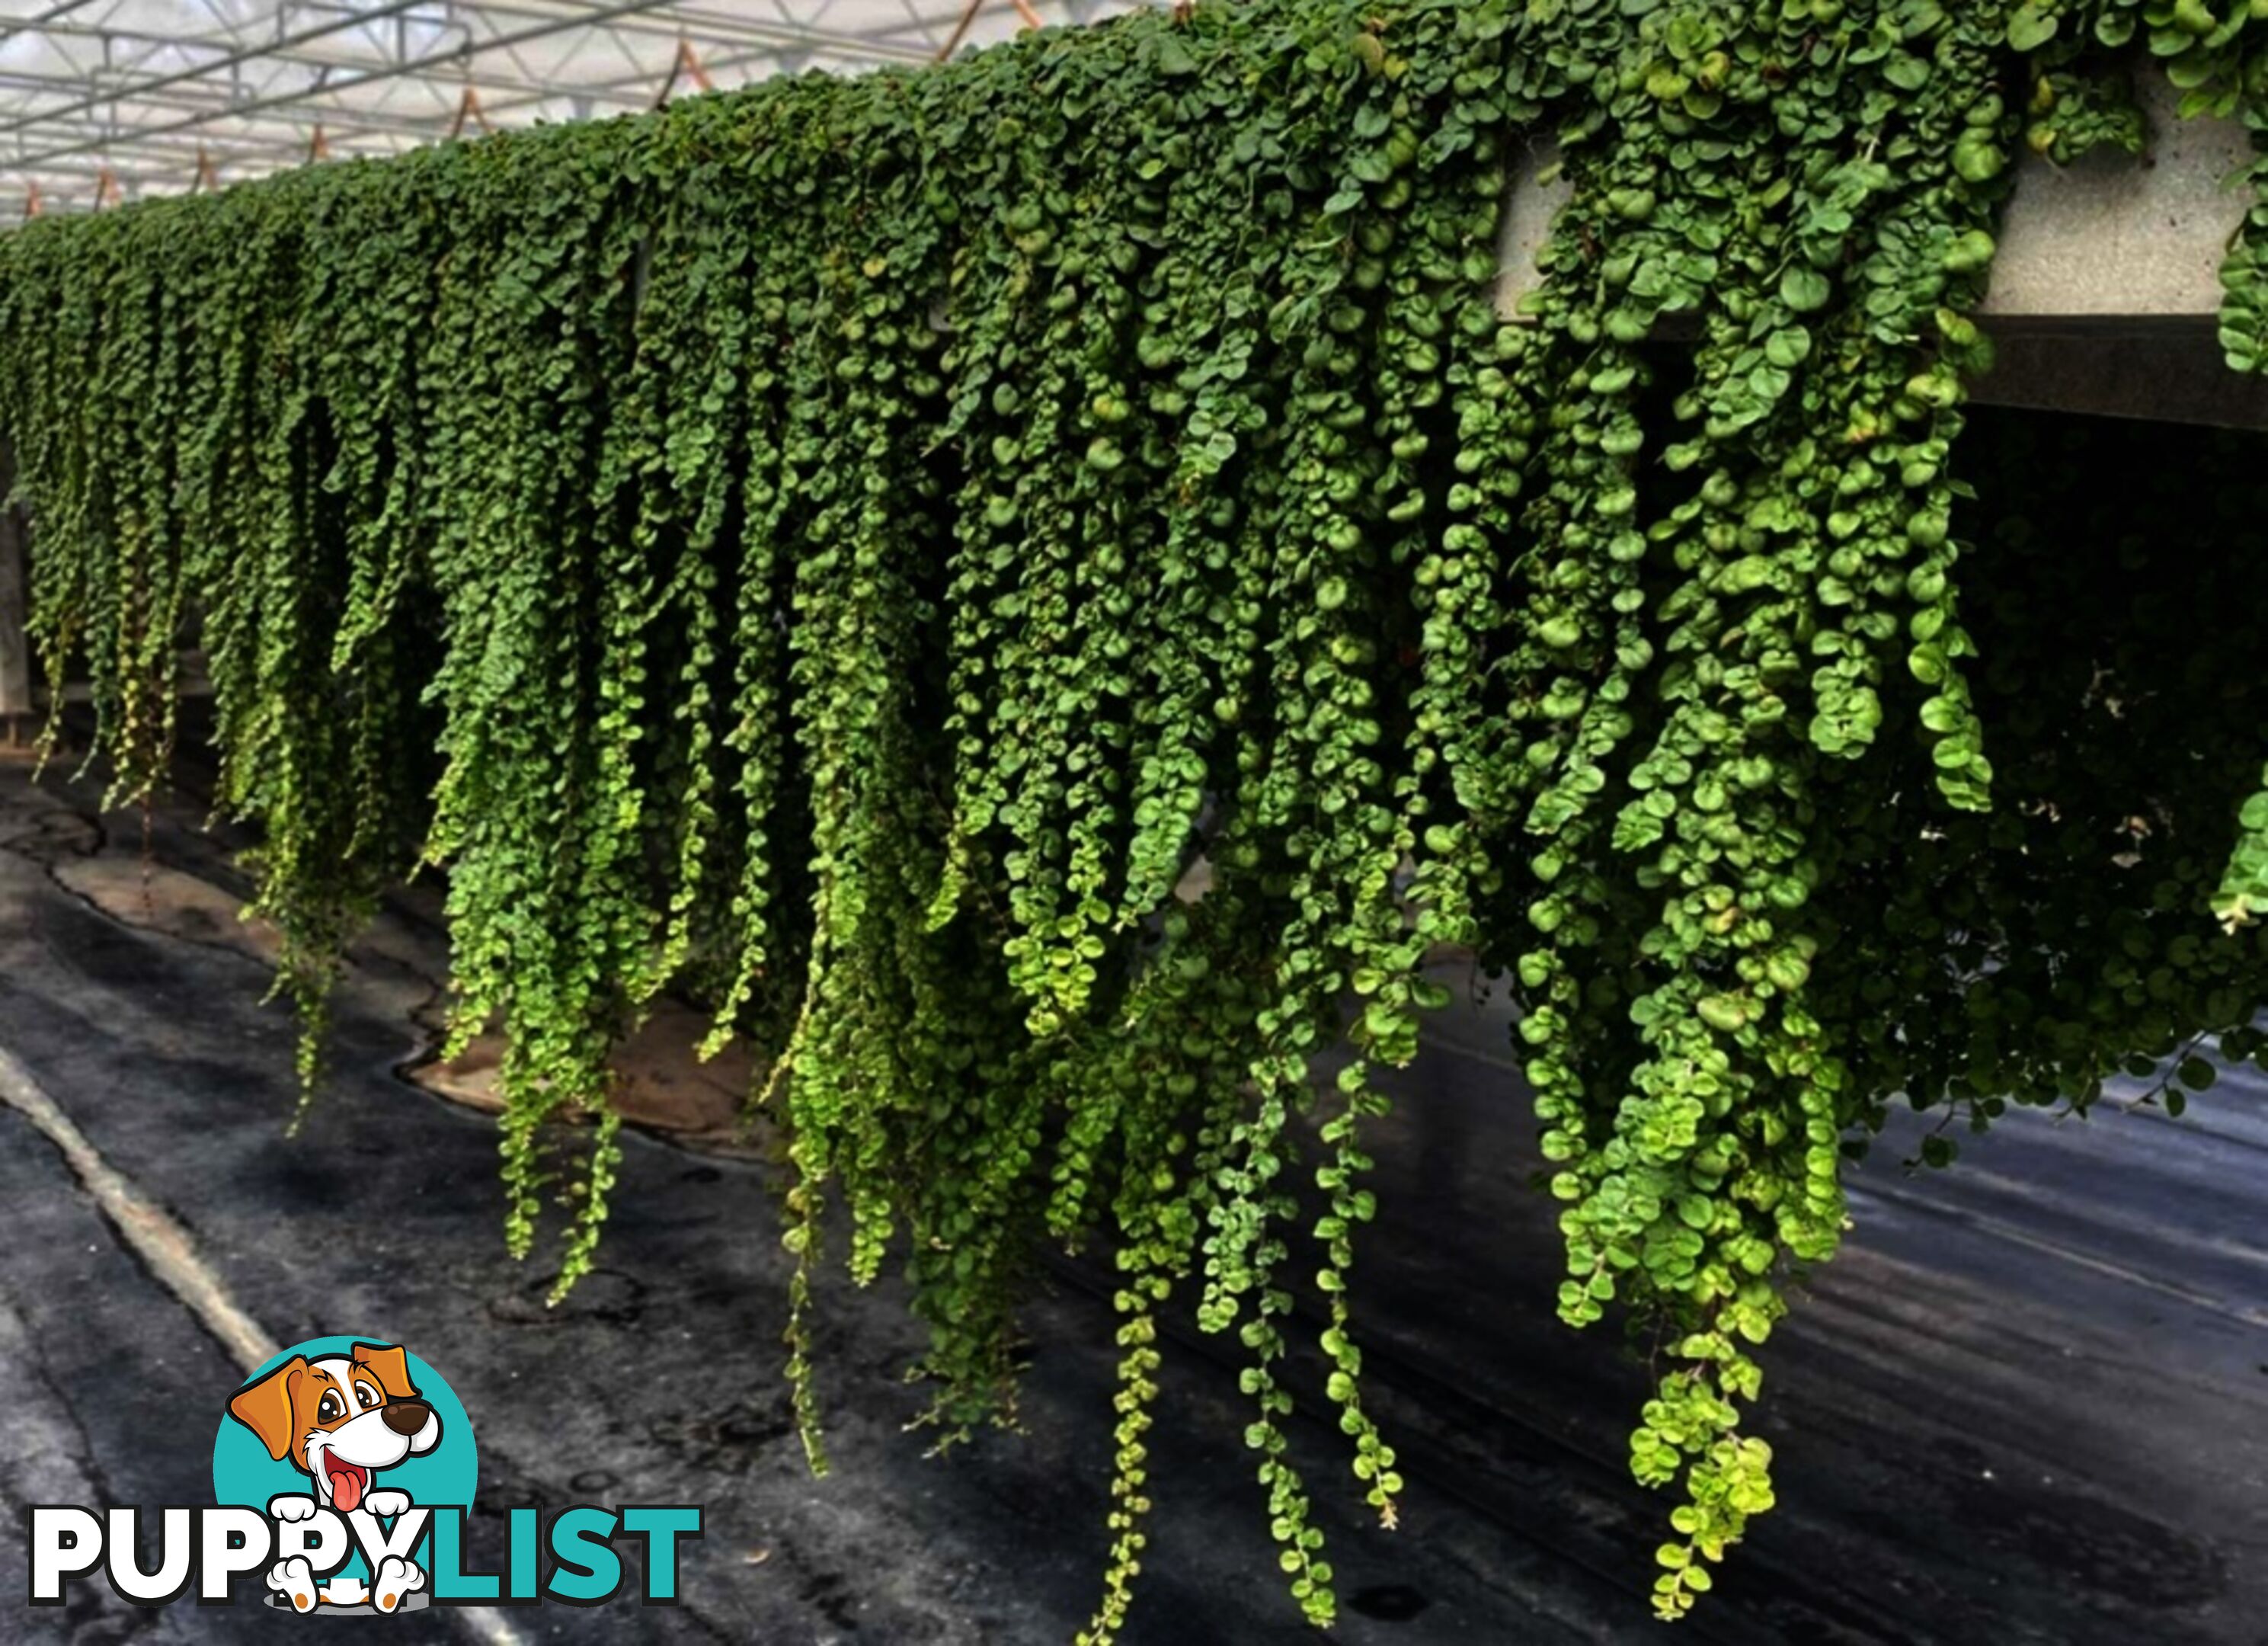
(1043, 591)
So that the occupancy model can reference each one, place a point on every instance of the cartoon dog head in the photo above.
(341, 1417)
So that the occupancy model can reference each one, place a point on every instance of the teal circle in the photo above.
(244, 1473)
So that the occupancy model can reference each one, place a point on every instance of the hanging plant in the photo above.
(1041, 591)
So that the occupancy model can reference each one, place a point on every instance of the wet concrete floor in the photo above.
(2030, 1404)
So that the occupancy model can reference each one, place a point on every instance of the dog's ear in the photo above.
(265, 1407)
(389, 1365)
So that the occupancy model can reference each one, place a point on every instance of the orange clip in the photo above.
(688, 62)
(468, 108)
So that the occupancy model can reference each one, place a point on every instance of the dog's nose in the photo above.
(407, 1417)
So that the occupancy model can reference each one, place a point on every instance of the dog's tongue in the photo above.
(346, 1487)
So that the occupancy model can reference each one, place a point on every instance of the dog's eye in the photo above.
(329, 1410)
(367, 1395)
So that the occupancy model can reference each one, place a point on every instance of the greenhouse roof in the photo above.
(108, 100)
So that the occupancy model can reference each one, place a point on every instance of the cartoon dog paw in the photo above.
(385, 1504)
(291, 1508)
(295, 1580)
(396, 1578)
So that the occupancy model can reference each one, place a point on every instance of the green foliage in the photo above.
(847, 550)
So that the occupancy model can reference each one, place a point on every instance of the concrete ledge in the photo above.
(2108, 281)
(2117, 237)
(2172, 372)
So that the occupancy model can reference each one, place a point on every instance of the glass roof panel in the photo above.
(108, 100)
